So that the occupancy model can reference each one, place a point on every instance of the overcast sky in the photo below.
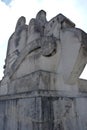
(11, 10)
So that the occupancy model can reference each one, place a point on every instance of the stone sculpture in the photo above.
(48, 41)
(41, 88)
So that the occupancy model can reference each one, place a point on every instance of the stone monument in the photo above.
(41, 89)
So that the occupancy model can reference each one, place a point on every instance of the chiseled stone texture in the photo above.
(41, 89)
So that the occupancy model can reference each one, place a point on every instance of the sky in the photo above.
(7, 2)
(11, 10)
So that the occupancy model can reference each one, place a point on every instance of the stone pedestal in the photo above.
(31, 103)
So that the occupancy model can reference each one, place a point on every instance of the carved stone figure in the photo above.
(41, 88)
(36, 26)
(46, 39)
(16, 43)
(41, 21)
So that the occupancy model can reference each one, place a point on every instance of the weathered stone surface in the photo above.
(82, 84)
(16, 43)
(44, 112)
(41, 89)
(40, 80)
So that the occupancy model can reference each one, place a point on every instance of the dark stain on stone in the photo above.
(47, 114)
